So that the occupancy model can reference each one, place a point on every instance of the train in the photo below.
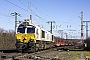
(68, 44)
(63, 42)
(31, 37)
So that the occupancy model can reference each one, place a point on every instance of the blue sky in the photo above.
(64, 12)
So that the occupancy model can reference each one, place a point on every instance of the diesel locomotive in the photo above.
(31, 37)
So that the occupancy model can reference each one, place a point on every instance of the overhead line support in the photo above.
(51, 22)
(15, 14)
(81, 25)
(86, 28)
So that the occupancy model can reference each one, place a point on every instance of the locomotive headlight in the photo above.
(18, 39)
(31, 40)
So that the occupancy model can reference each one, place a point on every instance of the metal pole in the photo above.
(86, 30)
(51, 25)
(81, 25)
(15, 14)
(66, 35)
(30, 18)
(15, 20)
(51, 28)
(61, 33)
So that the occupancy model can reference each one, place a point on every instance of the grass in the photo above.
(87, 54)
(76, 55)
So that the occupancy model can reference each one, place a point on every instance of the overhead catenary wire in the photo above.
(31, 5)
(26, 6)
(30, 10)
(68, 25)
(17, 5)
(40, 11)
(5, 15)
(25, 10)
(70, 21)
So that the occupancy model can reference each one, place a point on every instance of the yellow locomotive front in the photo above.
(25, 37)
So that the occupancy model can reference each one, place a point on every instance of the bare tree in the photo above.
(7, 39)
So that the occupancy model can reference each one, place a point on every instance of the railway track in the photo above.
(24, 56)
(49, 54)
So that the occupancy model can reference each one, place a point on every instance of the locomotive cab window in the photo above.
(21, 30)
(30, 30)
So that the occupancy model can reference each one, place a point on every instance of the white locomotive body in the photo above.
(32, 37)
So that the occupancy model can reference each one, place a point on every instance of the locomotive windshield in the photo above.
(21, 30)
(30, 30)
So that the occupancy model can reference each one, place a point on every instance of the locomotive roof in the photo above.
(27, 24)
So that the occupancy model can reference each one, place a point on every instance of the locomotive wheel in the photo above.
(32, 47)
(45, 47)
